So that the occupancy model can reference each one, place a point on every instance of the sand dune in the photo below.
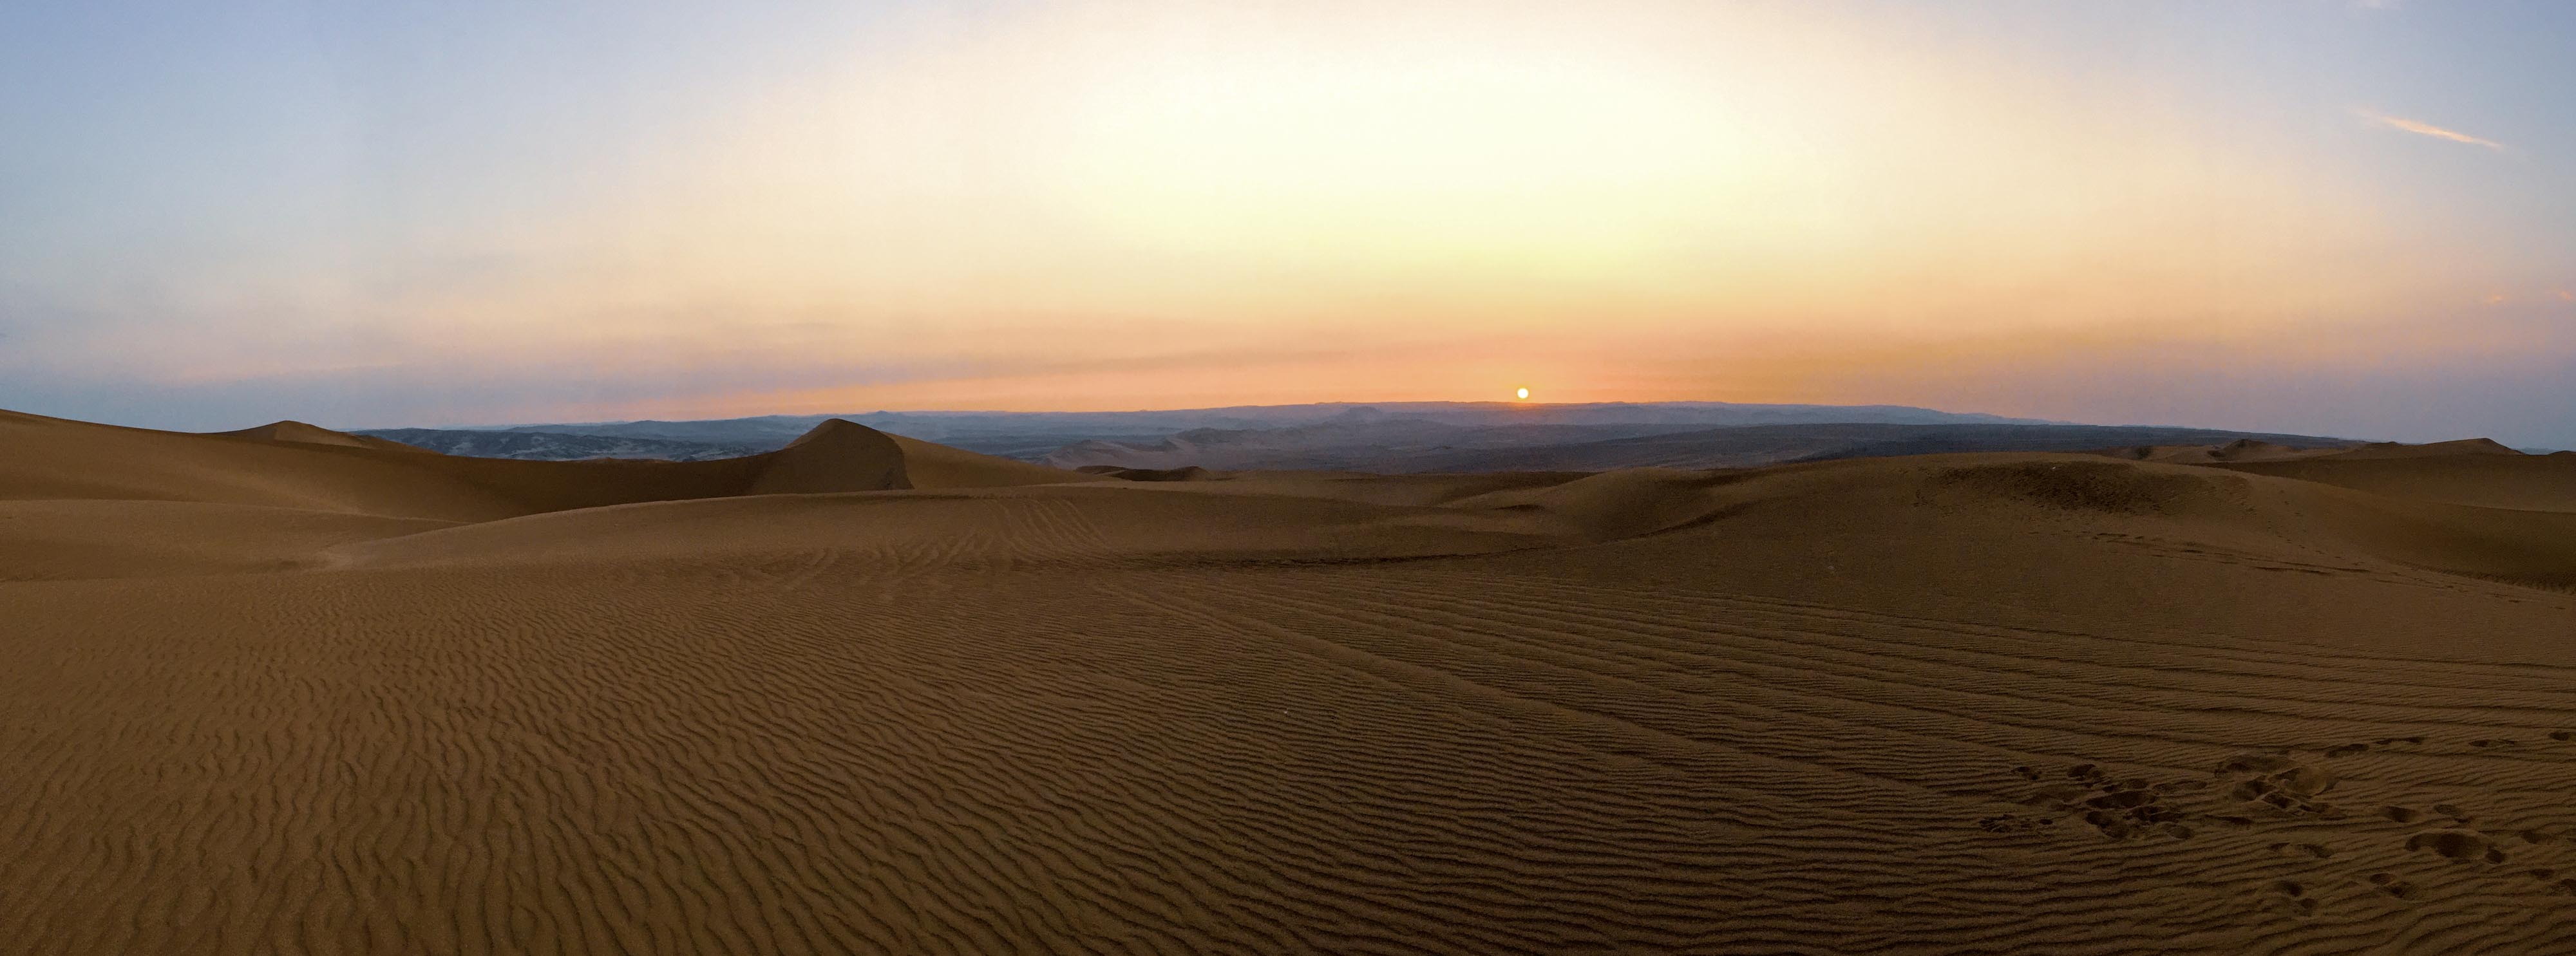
(2517, 481)
(301, 433)
(2447, 449)
(291, 465)
(280, 693)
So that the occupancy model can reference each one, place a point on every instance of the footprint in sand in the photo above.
(2120, 809)
(2458, 846)
(2389, 883)
(2014, 823)
(2316, 850)
(2285, 784)
(2562, 735)
(2400, 814)
(2295, 897)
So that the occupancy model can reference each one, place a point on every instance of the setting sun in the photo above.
(1523, 393)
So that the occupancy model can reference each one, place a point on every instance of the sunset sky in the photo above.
(2322, 216)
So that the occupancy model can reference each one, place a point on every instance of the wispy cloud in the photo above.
(2421, 128)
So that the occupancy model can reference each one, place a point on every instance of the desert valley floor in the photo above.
(292, 691)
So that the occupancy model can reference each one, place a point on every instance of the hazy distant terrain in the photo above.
(552, 446)
(1397, 436)
(1033, 435)
(1415, 447)
(1392, 438)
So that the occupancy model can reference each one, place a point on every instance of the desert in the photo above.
(283, 690)
(1475, 477)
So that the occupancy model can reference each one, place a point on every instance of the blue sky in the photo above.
(2318, 216)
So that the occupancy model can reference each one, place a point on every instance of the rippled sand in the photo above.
(289, 691)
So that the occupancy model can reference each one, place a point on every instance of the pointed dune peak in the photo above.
(299, 433)
(836, 430)
(2477, 446)
(842, 455)
(838, 455)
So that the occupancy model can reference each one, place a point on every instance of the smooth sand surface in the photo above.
(272, 692)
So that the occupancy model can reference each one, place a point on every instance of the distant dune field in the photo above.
(288, 690)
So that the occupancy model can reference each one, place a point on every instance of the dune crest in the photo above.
(300, 433)
(289, 430)
(2465, 446)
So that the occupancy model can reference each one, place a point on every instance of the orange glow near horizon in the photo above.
(1160, 204)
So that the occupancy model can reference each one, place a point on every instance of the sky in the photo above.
(2317, 216)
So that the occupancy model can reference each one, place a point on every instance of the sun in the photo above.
(1523, 393)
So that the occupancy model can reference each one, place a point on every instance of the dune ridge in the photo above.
(274, 692)
(292, 465)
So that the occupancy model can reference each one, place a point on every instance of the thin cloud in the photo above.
(2419, 128)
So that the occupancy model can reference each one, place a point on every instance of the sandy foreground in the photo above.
(288, 691)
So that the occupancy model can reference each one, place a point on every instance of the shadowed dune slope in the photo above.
(836, 456)
(930, 465)
(293, 696)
